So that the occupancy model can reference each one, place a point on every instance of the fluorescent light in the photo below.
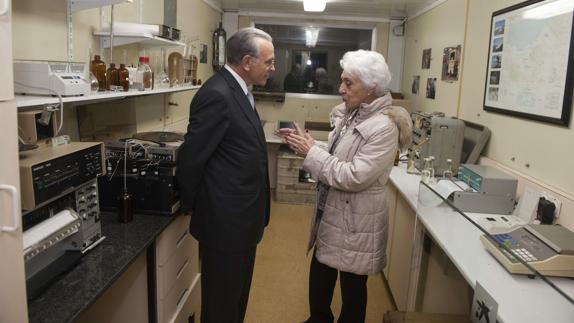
(311, 36)
(314, 5)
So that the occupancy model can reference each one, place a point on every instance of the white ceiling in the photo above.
(339, 8)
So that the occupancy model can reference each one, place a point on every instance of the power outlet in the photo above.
(554, 200)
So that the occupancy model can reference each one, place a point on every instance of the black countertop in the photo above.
(77, 289)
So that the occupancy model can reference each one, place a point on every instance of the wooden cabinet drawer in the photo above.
(171, 238)
(185, 256)
(189, 309)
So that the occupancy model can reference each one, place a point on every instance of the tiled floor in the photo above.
(279, 289)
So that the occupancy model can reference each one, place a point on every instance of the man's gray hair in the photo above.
(370, 67)
(243, 43)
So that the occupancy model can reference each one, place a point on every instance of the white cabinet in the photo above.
(401, 251)
(177, 268)
(13, 306)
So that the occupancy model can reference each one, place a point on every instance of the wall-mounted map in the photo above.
(529, 71)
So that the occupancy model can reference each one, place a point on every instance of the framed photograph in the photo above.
(426, 58)
(415, 85)
(531, 61)
(450, 63)
(203, 54)
(431, 90)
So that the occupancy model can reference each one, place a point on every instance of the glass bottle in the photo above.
(138, 81)
(426, 173)
(447, 173)
(175, 69)
(98, 68)
(194, 62)
(147, 75)
(112, 77)
(124, 76)
(431, 169)
(162, 77)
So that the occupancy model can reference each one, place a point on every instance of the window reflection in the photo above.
(303, 69)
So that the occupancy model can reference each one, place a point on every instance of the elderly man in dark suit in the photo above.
(223, 178)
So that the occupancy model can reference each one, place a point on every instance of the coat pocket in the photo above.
(348, 219)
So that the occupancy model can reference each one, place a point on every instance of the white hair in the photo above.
(370, 67)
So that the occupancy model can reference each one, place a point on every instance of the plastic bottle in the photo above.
(124, 76)
(447, 174)
(98, 68)
(112, 77)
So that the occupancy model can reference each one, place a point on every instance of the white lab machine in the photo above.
(50, 77)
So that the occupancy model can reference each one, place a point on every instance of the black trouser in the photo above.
(322, 280)
(225, 284)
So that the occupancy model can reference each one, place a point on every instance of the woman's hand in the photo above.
(300, 142)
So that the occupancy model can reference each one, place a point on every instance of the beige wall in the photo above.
(532, 149)
(439, 28)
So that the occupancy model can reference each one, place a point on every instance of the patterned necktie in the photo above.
(251, 99)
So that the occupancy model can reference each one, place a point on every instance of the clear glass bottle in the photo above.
(431, 169)
(124, 76)
(98, 68)
(447, 173)
(426, 173)
(143, 75)
(162, 77)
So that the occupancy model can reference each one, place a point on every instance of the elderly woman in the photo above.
(349, 230)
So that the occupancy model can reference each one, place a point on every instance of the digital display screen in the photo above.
(66, 77)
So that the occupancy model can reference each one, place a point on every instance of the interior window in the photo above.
(307, 58)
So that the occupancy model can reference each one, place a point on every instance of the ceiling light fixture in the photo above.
(311, 36)
(314, 5)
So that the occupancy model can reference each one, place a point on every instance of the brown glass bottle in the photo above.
(98, 68)
(112, 76)
(124, 76)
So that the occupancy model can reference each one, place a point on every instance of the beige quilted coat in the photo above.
(352, 233)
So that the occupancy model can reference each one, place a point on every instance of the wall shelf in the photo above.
(145, 39)
(36, 100)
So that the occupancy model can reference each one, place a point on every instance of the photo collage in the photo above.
(496, 60)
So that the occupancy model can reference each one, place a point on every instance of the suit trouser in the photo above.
(322, 280)
(225, 284)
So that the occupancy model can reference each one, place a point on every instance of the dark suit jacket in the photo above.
(222, 167)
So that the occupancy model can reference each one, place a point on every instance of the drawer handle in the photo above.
(181, 239)
(180, 271)
(181, 297)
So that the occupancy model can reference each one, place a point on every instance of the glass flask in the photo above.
(447, 173)
(175, 69)
(426, 173)
(98, 68)
(162, 77)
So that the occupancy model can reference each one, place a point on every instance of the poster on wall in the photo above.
(530, 61)
(426, 58)
(450, 63)
(415, 85)
(431, 90)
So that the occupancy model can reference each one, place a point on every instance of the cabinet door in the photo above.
(392, 200)
(6, 85)
(13, 306)
(401, 252)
